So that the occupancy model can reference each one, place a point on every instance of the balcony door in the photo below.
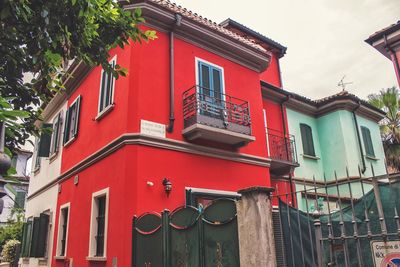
(211, 88)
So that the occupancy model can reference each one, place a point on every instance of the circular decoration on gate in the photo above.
(391, 260)
(220, 211)
(148, 223)
(184, 217)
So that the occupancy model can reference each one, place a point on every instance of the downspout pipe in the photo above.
(286, 145)
(396, 60)
(177, 22)
(364, 167)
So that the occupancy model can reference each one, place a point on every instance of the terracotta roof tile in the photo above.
(206, 22)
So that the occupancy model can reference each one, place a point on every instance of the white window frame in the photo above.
(93, 225)
(107, 108)
(59, 234)
(197, 60)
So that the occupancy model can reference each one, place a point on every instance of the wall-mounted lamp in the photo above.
(167, 186)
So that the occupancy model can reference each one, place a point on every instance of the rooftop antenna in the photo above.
(343, 84)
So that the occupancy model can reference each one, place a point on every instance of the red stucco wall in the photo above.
(144, 94)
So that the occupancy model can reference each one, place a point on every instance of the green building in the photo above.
(337, 140)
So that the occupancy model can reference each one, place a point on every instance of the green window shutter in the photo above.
(369, 148)
(45, 140)
(77, 111)
(24, 240)
(307, 140)
(66, 127)
(19, 201)
(55, 137)
(102, 90)
(27, 238)
(35, 237)
(42, 236)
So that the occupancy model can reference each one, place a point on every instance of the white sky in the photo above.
(325, 39)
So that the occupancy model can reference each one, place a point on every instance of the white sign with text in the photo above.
(386, 254)
(152, 128)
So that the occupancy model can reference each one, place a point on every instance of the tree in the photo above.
(388, 100)
(42, 37)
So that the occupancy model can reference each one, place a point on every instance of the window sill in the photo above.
(310, 157)
(104, 112)
(42, 261)
(371, 157)
(36, 171)
(69, 141)
(60, 258)
(94, 258)
(53, 157)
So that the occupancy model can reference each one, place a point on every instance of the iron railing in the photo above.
(281, 147)
(361, 231)
(200, 105)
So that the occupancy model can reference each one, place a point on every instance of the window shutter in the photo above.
(27, 238)
(45, 141)
(77, 110)
(66, 127)
(35, 235)
(24, 240)
(369, 148)
(307, 140)
(42, 235)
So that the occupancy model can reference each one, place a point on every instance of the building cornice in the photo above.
(191, 31)
(151, 141)
(320, 108)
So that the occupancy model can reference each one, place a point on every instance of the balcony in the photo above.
(222, 119)
(282, 151)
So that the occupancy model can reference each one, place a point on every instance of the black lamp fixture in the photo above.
(167, 186)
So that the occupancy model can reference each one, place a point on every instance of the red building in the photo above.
(186, 125)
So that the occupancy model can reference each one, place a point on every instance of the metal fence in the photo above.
(188, 236)
(346, 221)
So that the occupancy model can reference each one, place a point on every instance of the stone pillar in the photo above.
(256, 234)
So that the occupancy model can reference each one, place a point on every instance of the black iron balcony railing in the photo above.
(281, 147)
(203, 106)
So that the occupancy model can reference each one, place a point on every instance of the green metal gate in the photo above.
(187, 237)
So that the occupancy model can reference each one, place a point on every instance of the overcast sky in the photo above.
(325, 39)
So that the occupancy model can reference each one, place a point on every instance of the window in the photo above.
(34, 236)
(72, 121)
(369, 148)
(198, 197)
(107, 84)
(307, 140)
(210, 80)
(63, 223)
(55, 135)
(19, 201)
(98, 225)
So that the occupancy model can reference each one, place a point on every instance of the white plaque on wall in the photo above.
(152, 128)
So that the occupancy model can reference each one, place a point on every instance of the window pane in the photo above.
(205, 79)
(101, 205)
(307, 140)
(217, 84)
(64, 213)
(369, 149)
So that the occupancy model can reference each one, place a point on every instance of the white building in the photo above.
(42, 193)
